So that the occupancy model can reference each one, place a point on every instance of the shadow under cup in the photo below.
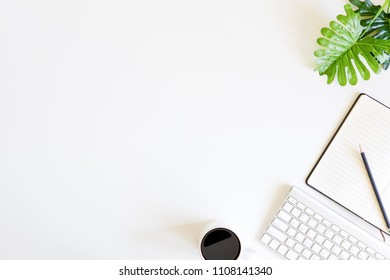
(220, 244)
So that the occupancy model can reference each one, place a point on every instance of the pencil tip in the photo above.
(361, 149)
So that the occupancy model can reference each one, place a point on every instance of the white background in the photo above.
(126, 125)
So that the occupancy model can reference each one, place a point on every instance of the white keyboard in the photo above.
(305, 229)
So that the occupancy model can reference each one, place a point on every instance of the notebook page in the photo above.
(341, 174)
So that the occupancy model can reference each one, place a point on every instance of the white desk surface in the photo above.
(125, 125)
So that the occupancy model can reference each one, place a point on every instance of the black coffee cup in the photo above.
(220, 243)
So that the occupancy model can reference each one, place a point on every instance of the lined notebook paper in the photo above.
(340, 172)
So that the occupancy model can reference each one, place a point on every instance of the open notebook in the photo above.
(340, 173)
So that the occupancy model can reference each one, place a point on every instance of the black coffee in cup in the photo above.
(220, 244)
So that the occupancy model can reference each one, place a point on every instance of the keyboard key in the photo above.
(319, 238)
(353, 239)
(291, 232)
(354, 250)
(299, 237)
(335, 228)
(363, 255)
(338, 239)
(346, 244)
(277, 233)
(284, 216)
(280, 224)
(345, 255)
(324, 253)
(282, 250)
(336, 249)
(344, 234)
(298, 247)
(266, 238)
(304, 217)
(379, 256)
(290, 243)
(303, 228)
(292, 255)
(321, 228)
(295, 223)
(315, 257)
(362, 245)
(309, 211)
(312, 223)
(288, 207)
(316, 248)
(296, 212)
(292, 200)
(327, 244)
(306, 253)
(333, 257)
(274, 244)
(329, 234)
(311, 233)
(326, 222)
(370, 250)
(308, 242)
(318, 217)
(301, 205)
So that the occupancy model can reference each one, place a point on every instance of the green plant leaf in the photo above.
(344, 51)
(380, 27)
(376, 25)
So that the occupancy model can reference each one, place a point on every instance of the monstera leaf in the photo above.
(345, 51)
(376, 23)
